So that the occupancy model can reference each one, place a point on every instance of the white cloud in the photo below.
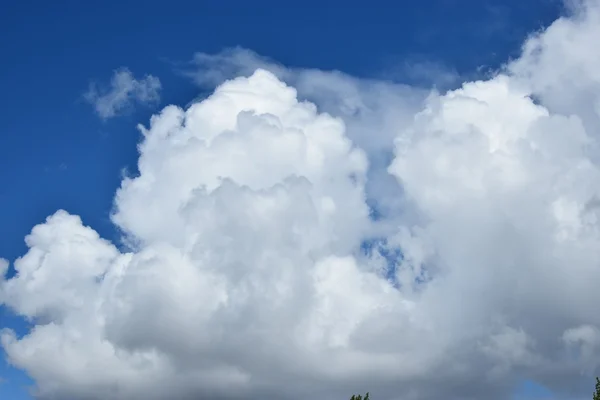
(245, 277)
(124, 92)
(374, 111)
(4, 264)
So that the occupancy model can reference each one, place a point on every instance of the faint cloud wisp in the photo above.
(124, 91)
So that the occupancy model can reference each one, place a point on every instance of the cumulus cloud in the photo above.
(305, 233)
(124, 92)
(374, 111)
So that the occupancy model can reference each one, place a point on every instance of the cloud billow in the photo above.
(245, 276)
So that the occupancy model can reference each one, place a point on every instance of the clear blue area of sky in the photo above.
(56, 153)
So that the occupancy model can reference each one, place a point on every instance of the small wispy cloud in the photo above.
(421, 72)
(124, 91)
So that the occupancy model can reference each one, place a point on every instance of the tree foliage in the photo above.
(597, 392)
(360, 397)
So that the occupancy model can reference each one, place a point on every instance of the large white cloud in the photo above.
(246, 273)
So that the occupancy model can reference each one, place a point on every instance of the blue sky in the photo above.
(57, 153)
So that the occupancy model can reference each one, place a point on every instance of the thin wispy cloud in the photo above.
(123, 93)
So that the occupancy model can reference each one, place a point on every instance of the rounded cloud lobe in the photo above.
(256, 268)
